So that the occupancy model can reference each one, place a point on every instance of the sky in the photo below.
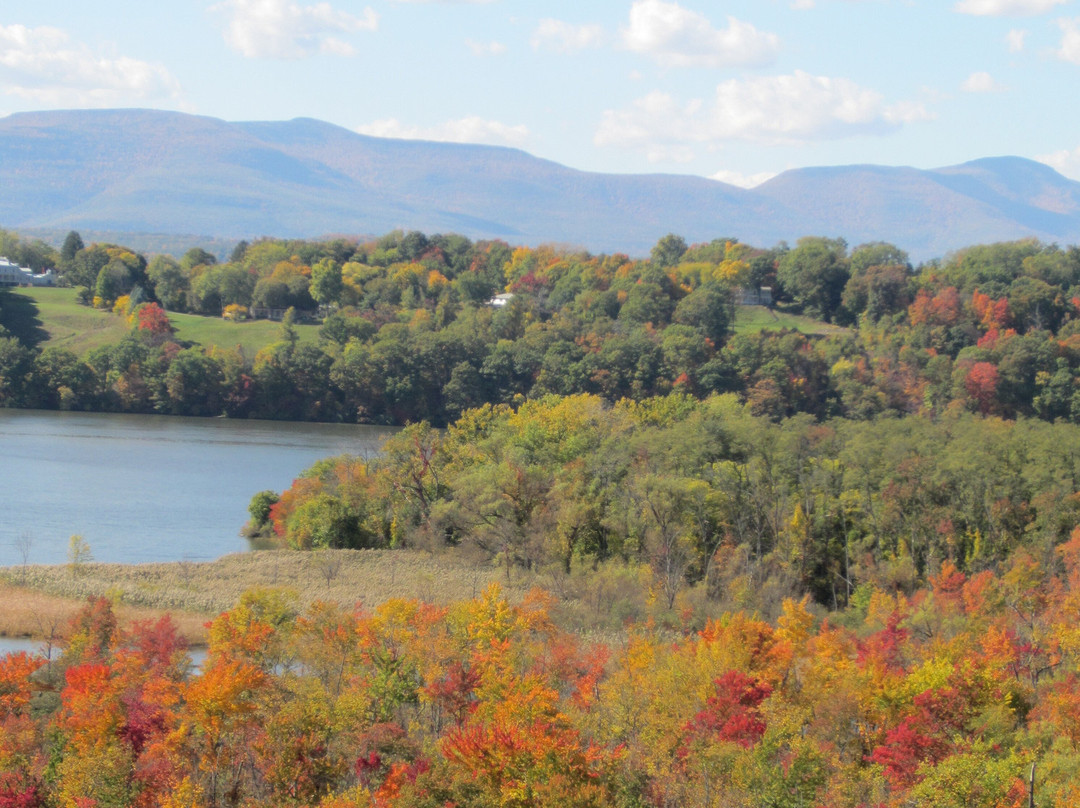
(738, 91)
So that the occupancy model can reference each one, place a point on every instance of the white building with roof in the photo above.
(15, 275)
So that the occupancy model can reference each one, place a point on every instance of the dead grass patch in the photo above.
(595, 602)
(36, 597)
(39, 615)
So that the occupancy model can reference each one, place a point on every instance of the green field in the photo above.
(250, 335)
(48, 317)
(751, 319)
(52, 317)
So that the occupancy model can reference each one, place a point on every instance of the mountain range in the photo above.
(147, 171)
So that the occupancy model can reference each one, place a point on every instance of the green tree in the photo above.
(708, 308)
(61, 380)
(815, 273)
(877, 290)
(647, 303)
(219, 286)
(78, 553)
(197, 257)
(259, 508)
(72, 244)
(326, 282)
(170, 282)
(113, 280)
(193, 385)
(668, 251)
(238, 252)
(85, 266)
(877, 254)
(15, 365)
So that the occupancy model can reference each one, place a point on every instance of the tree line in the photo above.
(409, 331)
(712, 499)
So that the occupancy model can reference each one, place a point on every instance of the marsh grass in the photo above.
(193, 592)
(26, 612)
(593, 601)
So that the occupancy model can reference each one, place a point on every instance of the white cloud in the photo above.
(743, 180)
(1016, 39)
(43, 65)
(566, 37)
(471, 129)
(1001, 8)
(802, 5)
(654, 118)
(1065, 161)
(981, 82)
(279, 29)
(678, 37)
(907, 112)
(668, 153)
(1070, 41)
(784, 109)
(485, 48)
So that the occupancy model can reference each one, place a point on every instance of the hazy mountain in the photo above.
(931, 212)
(142, 171)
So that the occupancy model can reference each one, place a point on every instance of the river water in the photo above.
(141, 488)
(12, 645)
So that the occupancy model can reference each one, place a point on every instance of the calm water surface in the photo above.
(12, 645)
(143, 488)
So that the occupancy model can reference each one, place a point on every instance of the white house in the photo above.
(15, 275)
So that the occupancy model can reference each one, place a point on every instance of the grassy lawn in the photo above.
(751, 319)
(250, 335)
(49, 317)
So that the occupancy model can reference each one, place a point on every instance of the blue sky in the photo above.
(734, 90)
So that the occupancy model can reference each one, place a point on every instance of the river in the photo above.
(142, 488)
(12, 645)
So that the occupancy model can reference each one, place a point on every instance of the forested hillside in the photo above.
(409, 330)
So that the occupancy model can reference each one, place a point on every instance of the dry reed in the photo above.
(36, 599)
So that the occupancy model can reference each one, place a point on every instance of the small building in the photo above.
(278, 314)
(501, 300)
(15, 275)
(762, 296)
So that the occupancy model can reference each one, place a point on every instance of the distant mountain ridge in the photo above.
(146, 171)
